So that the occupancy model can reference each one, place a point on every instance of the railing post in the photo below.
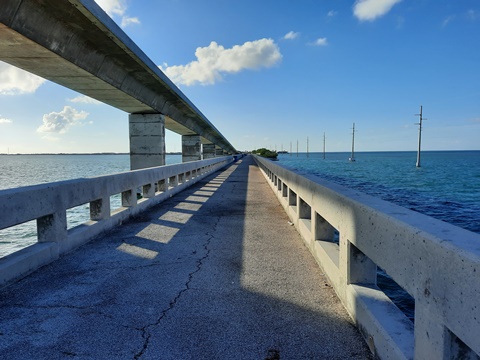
(432, 338)
(163, 185)
(148, 191)
(100, 209)
(129, 198)
(53, 227)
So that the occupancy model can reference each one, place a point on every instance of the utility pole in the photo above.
(324, 145)
(352, 157)
(307, 146)
(419, 134)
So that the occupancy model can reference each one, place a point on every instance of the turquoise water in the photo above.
(24, 170)
(446, 186)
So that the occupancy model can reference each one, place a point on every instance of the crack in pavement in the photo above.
(146, 335)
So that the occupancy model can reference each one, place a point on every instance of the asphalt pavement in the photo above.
(215, 272)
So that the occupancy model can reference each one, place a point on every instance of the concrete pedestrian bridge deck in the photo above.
(215, 272)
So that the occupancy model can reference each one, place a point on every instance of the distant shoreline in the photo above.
(283, 153)
(99, 153)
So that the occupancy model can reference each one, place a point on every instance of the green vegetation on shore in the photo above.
(265, 153)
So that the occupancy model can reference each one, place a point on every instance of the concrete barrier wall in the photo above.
(48, 203)
(437, 263)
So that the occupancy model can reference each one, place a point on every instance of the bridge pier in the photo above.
(147, 140)
(191, 148)
(208, 151)
(218, 151)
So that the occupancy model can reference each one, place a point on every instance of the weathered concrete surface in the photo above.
(215, 272)
(76, 44)
(208, 151)
(191, 148)
(147, 140)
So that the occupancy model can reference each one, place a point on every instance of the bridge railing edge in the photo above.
(432, 260)
(48, 203)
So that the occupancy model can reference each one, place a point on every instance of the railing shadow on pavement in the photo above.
(201, 275)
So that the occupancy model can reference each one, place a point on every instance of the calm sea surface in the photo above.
(446, 187)
(24, 170)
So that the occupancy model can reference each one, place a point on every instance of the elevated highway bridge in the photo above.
(74, 43)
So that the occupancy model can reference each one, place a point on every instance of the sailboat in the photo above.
(352, 157)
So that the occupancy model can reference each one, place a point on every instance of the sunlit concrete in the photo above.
(76, 44)
(233, 281)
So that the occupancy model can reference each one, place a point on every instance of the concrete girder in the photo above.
(76, 44)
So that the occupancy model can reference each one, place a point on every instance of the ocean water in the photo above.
(446, 187)
(24, 170)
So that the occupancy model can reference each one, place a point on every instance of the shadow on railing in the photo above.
(350, 233)
(47, 204)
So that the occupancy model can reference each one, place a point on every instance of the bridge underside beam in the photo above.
(76, 44)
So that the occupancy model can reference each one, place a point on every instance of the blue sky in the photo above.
(269, 73)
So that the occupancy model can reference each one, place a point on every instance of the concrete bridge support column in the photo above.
(191, 148)
(147, 140)
(218, 151)
(208, 151)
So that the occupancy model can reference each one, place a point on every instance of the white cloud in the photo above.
(291, 35)
(129, 20)
(332, 13)
(15, 81)
(60, 122)
(214, 60)
(84, 100)
(113, 7)
(473, 14)
(320, 42)
(369, 10)
(5, 120)
(118, 8)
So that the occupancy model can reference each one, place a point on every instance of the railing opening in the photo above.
(77, 215)
(17, 237)
(402, 299)
(292, 198)
(162, 186)
(460, 350)
(172, 181)
(324, 231)
(284, 190)
(115, 202)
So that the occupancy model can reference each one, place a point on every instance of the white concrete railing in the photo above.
(48, 204)
(437, 263)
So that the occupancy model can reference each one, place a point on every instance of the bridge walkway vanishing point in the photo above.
(215, 272)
